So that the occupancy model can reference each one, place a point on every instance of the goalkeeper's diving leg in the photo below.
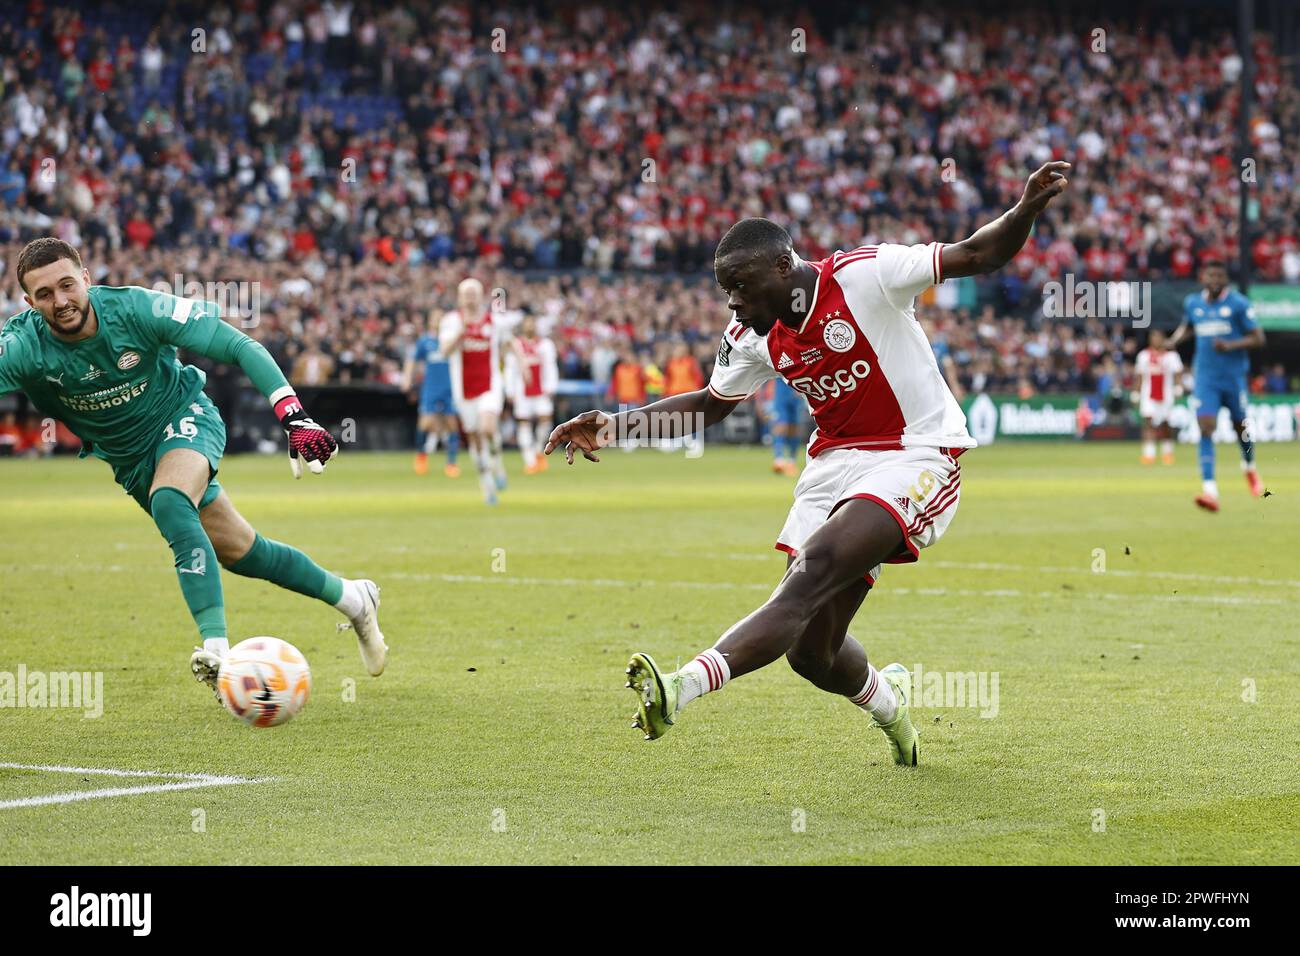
(243, 551)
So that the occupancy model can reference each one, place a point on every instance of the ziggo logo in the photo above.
(832, 386)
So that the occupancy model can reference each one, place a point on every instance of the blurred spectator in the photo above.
(627, 383)
(1277, 382)
(376, 155)
(683, 372)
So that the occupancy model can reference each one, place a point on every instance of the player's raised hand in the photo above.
(308, 441)
(1044, 185)
(586, 433)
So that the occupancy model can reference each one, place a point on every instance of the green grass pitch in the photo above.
(501, 731)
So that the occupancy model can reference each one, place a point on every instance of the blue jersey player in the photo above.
(437, 413)
(1224, 325)
(789, 417)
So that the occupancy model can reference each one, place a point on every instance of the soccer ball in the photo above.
(264, 681)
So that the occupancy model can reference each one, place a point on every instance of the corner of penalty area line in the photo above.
(169, 781)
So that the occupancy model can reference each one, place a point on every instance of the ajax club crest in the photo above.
(839, 335)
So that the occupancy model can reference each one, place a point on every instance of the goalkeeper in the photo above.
(103, 361)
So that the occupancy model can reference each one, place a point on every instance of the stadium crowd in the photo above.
(351, 161)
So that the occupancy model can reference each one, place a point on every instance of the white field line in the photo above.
(1020, 568)
(1168, 575)
(180, 781)
(772, 556)
(888, 590)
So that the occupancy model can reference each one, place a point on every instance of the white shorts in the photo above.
(471, 410)
(535, 407)
(919, 487)
(1158, 412)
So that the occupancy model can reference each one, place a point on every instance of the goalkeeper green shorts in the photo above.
(197, 426)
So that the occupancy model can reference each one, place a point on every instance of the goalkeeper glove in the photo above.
(307, 441)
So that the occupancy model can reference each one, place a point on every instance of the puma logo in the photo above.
(199, 563)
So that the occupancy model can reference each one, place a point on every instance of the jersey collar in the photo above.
(817, 288)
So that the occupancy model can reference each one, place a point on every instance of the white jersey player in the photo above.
(532, 373)
(1159, 370)
(882, 481)
(469, 338)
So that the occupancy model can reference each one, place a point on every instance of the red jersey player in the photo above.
(532, 373)
(1158, 369)
(882, 481)
(468, 336)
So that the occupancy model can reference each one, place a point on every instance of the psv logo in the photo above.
(128, 360)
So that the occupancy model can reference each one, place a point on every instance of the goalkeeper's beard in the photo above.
(70, 320)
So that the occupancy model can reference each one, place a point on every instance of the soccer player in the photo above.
(1223, 322)
(882, 480)
(533, 372)
(469, 337)
(788, 413)
(1158, 369)
(437, 417)
(103, 361)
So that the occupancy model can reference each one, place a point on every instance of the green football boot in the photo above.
(903, 739)
(656, 696)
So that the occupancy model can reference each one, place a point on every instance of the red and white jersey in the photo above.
(1158, 371)
(860, 358)
(475, 366)
(531, 368)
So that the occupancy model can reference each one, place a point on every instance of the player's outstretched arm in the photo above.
(1179, 335)
(593, 430)
(308, 441)
(994, 245)
(408, 374)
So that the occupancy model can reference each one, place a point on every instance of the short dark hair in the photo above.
(43, 251)
(753, 236)
(1214, 264)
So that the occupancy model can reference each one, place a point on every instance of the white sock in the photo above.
(1167, 447)
(1210, 488)
(877, 697)
(495, 461)
(1148, 449)
(217, 645)
(351, 603)
(527, 447)
(430, 442)
(486, 482)
(708, 672)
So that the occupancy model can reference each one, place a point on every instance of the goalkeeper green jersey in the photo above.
(118, 389)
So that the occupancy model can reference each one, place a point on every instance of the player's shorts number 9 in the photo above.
(923, 486)
(833, 386)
